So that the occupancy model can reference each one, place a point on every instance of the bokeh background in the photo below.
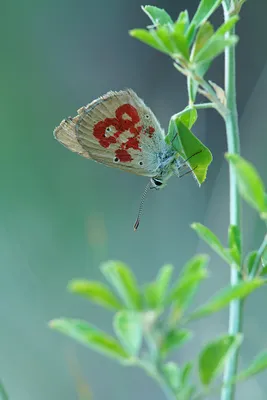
(62, 215)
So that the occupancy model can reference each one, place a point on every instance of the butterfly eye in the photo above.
(116, 159)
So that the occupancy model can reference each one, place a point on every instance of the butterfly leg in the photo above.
(184, 168)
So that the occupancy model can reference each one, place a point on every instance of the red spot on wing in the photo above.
(151, 130)
(123, 155)
(122, 124)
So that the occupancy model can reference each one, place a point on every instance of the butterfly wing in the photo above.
(118, 130)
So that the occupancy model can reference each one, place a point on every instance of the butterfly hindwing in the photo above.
(118, 130)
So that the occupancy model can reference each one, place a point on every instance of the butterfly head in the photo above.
(157, 183)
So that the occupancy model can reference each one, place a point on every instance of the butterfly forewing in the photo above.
(118, 130)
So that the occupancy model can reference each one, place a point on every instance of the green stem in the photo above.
(199, 106)
(232, 132)
(257, 263)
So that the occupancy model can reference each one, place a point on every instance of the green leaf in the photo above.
(164, 36)
(211, 239)
(258, 365)
(205, 9)
(182, 23)
(225, 296)
(155, 292)
(214, 355)
(213, 48)
(173, 340)
(264, 271)
(227, 26)
(264, 213)
(128, 328)
(151, 295)
(249, 183)
(171, 372)
(123, 280)
(180, 42)
(162, 282)
(186, 372)
(190, 148)
(234, 237)
(211, 44)
(188, 117)
(157, 15)
(249, 260)
(184, 289)
(235, 243)
(203, 35)
(190, 33)
(96, 292)
(90, 336)
(3, 392)
(148, 38)
(205, 32)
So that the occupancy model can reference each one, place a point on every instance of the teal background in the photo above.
(62, 215)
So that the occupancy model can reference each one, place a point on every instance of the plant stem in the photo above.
(232, 132)
(257, 263)
(199, 106)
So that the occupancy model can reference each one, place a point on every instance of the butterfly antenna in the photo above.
(137, 222)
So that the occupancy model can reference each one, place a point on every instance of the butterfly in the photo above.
(120, 131)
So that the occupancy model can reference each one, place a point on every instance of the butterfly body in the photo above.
(119, 130)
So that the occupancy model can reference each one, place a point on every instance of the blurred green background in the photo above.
(62, 215)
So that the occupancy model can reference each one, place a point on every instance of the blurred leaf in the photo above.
(258, 365)
(184, 289)
(155, 292)
(148, 38)
(211, 239)
(214, 47)
(174, 339)
(225, 296)
(234, 243)
(197, 155)
(186, 372)
(157, 15)
(96, 292)
(3, 392)
(214, 355)
(162, 281)
(128, 328)
(249, 182)
(171, 372)
(151, 295)
(249, 260)
(263, 214)
(264, 271)
(205, 9)
(123, 280)
(90, 336)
